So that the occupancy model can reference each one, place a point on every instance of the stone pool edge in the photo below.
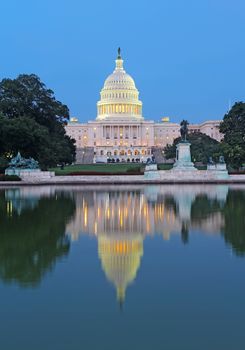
(121, 180)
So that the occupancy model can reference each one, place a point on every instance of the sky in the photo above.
(187, 57)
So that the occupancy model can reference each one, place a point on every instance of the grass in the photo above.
(86, 169)
(164, 166)
(110, 169)
(100, 169)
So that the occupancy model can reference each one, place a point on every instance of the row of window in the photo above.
(119, 108)
(124, 152)
(119, 95)
(121, 136)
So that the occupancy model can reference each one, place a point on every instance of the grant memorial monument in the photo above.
(183, 152)
(27, 169)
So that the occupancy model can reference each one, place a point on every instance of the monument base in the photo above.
(17, 171)
(36, 175)
(151, 172)
(188, 166)
(183, 157)
(29, 174)
(219, 170)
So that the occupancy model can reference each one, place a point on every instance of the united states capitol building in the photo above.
(120, 133)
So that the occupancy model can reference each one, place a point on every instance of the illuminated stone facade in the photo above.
(120, 133)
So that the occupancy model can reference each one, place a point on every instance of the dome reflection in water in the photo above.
(121, 219)
(171, 256)
(38, 223)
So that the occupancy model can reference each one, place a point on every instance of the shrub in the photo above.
(135, 171)
(9, 177)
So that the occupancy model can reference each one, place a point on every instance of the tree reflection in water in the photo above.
(232, 212)
(120, 219)
(36, 229)
(32, 235)
(234, 227)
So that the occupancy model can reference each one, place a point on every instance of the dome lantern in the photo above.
(119, 60)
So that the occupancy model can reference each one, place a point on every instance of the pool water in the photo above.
(122, 267)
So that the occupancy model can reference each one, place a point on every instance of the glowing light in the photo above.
(86, 216)
(9, 208)
(108, 213)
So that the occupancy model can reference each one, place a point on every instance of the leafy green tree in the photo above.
(32, 121)
(202, 147)
(233, 128)
(3, 164)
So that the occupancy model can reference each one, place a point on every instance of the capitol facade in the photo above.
(120, 133)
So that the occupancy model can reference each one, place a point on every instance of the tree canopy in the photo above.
(233, 128)
(202, 147)
(32, 121)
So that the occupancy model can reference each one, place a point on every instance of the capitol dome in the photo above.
(119, 98)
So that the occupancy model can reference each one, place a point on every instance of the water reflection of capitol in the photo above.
(121, 219)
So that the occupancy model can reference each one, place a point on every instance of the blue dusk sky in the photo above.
(187, 57)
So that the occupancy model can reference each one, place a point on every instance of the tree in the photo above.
(202, 147)
(32, 121)
(233, 128)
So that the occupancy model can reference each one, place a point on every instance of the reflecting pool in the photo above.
(122, 267)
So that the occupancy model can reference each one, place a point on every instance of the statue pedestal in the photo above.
(36, 175)
(221, 166)
(211, 167)
(17, 171)
(219, 170)
(151, 172)
(183, 157)
(30, 174)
